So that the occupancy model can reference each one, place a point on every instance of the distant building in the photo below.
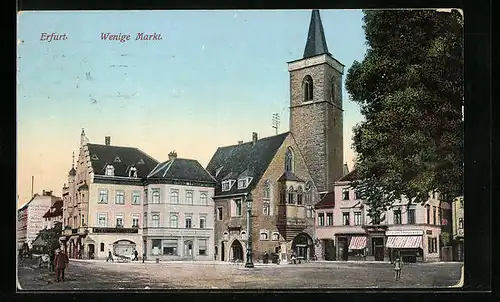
(179, 211)
(347, 233)
(30, 217)
(458, 228)
(103, 201)
(54, 214)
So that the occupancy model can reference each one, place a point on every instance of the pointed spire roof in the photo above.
(316, 42)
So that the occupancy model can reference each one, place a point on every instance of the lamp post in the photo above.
(249, 201)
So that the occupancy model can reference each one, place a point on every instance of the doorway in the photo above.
(343, 252)
(237, 250)
(378, 248)
(222, 252)
(303, 246)
(91, 251)
(188, 249)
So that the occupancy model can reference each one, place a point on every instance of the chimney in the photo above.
(240, 142)
(172, 155)
(107, 140)
(254, 137)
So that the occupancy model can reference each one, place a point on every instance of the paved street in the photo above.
(94, 275)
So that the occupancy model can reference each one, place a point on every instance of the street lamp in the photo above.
(249, 201)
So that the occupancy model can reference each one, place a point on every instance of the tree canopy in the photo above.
(51, 236)
(410, 88)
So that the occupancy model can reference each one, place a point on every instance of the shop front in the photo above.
(408, 245)
(351, 247)
(376, 243)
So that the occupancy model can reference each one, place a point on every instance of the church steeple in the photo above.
(316, 42)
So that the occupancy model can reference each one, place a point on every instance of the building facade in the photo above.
(273, 170)
(178, 221)
(30, 217)
(103, 200)
(458, 228)
(316, 114)
(54, 214)
(347, 233)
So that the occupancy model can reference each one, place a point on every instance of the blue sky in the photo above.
(214, 78)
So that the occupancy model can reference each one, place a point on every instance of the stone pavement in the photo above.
(98, 274)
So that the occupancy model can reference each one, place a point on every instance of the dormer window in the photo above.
(132, 172)
(227, 184)
(244, 182)
(94, 157)
(117, 160)
(110, 170)
(140, 162)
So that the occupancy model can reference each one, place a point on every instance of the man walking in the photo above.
(110, 257)
(60, 262)
(135, 256)
(397, 268)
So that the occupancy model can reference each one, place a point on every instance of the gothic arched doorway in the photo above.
(236, 250)
(303, 246)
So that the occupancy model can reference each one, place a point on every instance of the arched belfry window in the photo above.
(332, 90)
(289, 160)
(307, 88)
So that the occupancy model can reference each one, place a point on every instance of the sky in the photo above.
(213, 79)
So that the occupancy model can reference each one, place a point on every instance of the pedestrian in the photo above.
(60, 262)
(143, 256)
(266, 257)
(136, 254)
(110, 257)
(397, 268)
(294, 258)
(52, 257)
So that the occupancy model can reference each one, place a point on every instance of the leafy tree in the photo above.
(410, 90)
(51, 236)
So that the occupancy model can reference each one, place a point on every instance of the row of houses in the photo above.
(121, 199)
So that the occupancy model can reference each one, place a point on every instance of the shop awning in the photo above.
(404, 242)
(357, 243)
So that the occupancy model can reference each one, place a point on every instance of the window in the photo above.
(345, 193)
(307, 86)
(156, 246)
(174, 197)
(83, 219)
(428, 212)
(299, 195)
(155, 219)
(202, 247)
(460, 223)
(103, 196)
(119, 221)
(102, 246)
(289, 160)
(332, 90)
(267, 190)
(309, 212)
(265, 207)
(432, 245)
(434, 214)
(345, 218)
(174, 221)
(411, 216)
(227, 184)
(329, 218)
(188, 222)
(135, 220)
(120, 197)
(117, 160)
(110, 170)
(102, 220)
(276, 236)
(237, 207)
(189, 197)
(226, 235)
(145, 220)
(321, 219)
(357, 218)
(146, 196)
(291, 199)
(132, 172)
(136, 197)
(397, 216)
(242, 183)
(156, 196)
(243, 235)
(202, 222)
(203, 199)
(264, 236)
(356, 195)
(219, 213)
(170, 247)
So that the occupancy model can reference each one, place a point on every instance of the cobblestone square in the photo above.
(95, 275)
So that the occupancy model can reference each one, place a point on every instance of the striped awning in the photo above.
(404, 242)
(357, 243)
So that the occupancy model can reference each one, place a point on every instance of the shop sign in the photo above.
(115, 230)
(405, 233)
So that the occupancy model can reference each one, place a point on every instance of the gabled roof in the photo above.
(287, 175)
(243, 157)
(316, 42)
(57, 205)
(328, 201)
(181, 169)
(106, 154)
(351, 176)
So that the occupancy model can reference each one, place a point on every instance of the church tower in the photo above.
(316, 108)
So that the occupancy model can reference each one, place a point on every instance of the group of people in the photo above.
(110, 256)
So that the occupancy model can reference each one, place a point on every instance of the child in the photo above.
(397, 268)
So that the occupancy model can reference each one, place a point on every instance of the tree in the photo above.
(51, 236)
(410, 90)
